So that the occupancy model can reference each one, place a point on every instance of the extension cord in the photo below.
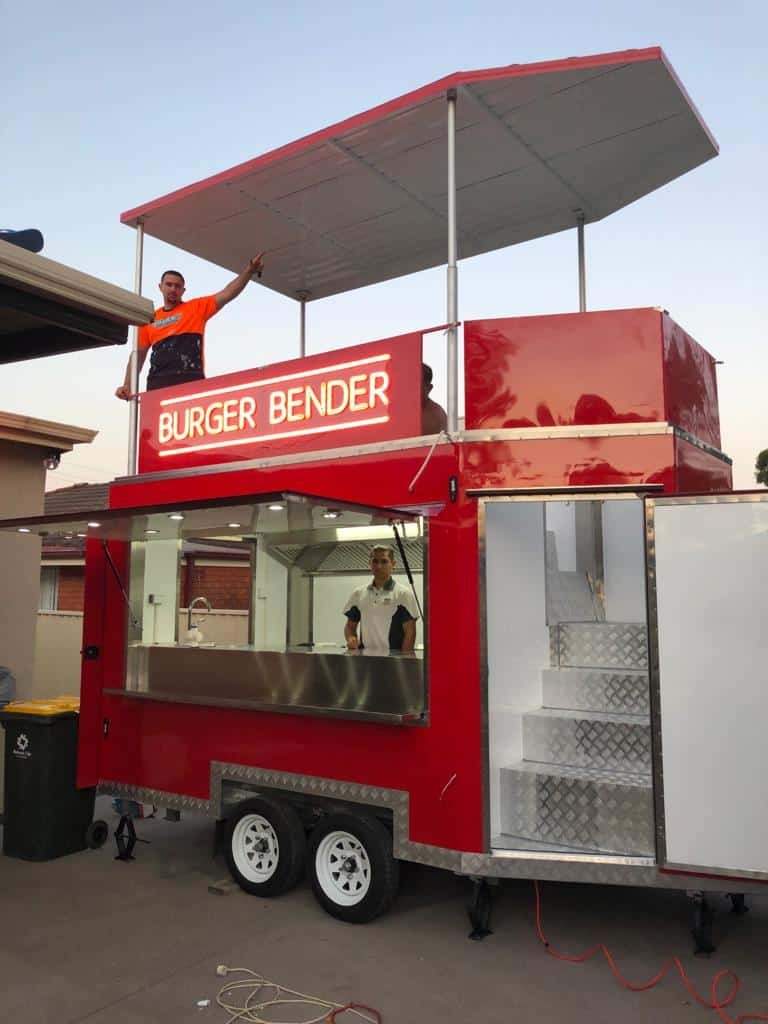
(274, 995)
(718, 1005)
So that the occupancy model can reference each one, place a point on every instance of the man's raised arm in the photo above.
(233, 289)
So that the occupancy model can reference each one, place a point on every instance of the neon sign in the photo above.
(236, 417)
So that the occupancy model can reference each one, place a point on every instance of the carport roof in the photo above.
(365, 200)
(47, 308)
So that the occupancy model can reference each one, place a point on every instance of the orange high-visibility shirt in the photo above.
(176, 337)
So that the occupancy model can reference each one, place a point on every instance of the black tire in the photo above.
(265, 846)
(354, 875)
(96, 834)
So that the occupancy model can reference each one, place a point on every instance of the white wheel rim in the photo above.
(255, 849)
(343, 868)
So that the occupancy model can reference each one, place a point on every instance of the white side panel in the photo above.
(517, 636)
(624, 560)
(712, 582)
(330, 596)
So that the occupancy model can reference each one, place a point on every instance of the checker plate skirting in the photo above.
(590, 868)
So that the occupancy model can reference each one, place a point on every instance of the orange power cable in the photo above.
(717, 1004)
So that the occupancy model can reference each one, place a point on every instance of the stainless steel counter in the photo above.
(321, 681)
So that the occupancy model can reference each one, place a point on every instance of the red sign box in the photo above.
(346, 397)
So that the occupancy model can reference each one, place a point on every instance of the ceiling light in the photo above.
(24, 529)
(82, 535)
(94, 525)
(176, 515)
(151, 531)
(233, 526)
(331, 514)
(275, 508)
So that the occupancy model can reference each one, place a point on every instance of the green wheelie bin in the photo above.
(45, 814)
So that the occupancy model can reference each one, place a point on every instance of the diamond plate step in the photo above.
(610, 812)
(587, 739)
(595, 689)
(599, 645)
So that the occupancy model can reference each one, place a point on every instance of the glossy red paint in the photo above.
(612, 367)
(104, 628)
(570, 462)
(169, 747)
(698, 470)
(690, 383)
(382, 479)
(364, 393)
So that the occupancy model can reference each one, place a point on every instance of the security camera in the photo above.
(52, 460)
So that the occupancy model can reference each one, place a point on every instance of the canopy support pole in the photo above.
(452, 275)
(582, 265)
(133, 421)
(302, 297)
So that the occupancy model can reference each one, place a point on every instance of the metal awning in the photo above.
(366, 199)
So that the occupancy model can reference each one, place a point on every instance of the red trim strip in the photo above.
(703, 874)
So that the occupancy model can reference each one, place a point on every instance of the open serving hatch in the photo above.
(305, 555)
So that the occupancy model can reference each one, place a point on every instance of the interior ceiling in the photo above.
(366, 200)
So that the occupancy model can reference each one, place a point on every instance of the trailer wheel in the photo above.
(96, 834)
(354, 875)
(265, 847)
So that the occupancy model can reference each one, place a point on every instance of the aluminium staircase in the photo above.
(584, 784)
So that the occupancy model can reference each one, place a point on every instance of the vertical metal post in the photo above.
(133, 421)
(303, 296)
(452, 275)
(582, 267)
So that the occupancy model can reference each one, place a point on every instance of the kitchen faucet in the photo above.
(192, 604)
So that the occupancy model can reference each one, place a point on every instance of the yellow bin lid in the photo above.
(49, 706)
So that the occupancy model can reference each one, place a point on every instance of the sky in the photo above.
(108, 106)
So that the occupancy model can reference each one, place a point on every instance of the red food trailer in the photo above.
(584, 702)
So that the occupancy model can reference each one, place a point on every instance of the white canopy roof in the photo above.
(365, 200)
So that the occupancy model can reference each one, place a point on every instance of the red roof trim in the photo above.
(413, 98)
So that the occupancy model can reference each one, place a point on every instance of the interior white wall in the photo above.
(270, 600)
(712, 594)
(517, 635)
(330, 596)
(161, 591)
(624, 560)
(561, 521)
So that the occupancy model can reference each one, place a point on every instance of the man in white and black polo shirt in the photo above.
(384, 612)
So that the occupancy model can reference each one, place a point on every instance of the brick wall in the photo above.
(226, 586)
(71, 588)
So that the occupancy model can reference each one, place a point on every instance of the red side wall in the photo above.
(698, 470)
(169, 747)
(610, 367)
(572, 369)
(690, 384)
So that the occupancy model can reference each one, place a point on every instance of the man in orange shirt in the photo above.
(175, 336)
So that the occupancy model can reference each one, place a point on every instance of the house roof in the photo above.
(77, 498)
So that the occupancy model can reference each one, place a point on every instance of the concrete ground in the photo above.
(86, 938)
